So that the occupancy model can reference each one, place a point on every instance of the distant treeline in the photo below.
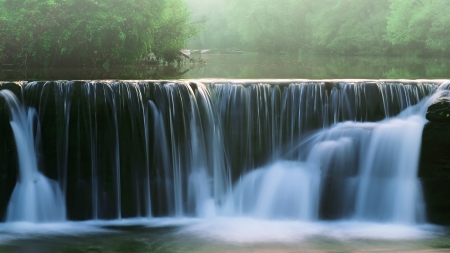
(88, 32)
(339, 27)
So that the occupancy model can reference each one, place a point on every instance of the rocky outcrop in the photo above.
(439, 110)
(434, 167)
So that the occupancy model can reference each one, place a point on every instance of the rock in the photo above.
(439, 110)
(434, 171)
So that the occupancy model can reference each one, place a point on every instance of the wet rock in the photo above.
(434, 171)
(439, 110)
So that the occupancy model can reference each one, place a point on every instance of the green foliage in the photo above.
(350, 27)
(270, 26)
(80, 32)
(420, 25)
(336, 27)
(172, 31)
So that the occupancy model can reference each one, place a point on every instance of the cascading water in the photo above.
(374, 167)
(284, 190)
(305, 150)
(389, 189)
(35, 197)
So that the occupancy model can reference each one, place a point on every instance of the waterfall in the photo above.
(372, 169)
(35, 198)
(284, 190)
(292, 150)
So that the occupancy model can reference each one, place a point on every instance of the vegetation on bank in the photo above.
(97, 32)
(330, 27)
(89, 32)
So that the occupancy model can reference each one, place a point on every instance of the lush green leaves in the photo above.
(420, 25)
(81, 32)
(271, 26)
(343, 27)
(350, 27)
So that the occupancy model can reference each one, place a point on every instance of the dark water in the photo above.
(250, 66)
(11, 73)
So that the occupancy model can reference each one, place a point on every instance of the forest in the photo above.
(325, 27)
(100, 32)
(90, 32)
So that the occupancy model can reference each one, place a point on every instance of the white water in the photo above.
(241, 230)
(251, 230)
(284, 190)
(376, 164)
(380, 193)
(389, 189)
(35, 198)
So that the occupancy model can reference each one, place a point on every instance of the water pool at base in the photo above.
(220, 235)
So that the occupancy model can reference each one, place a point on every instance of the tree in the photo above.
(79, 32)
(173, 30)
(419, 26)
(271, 26)
(320, 27)
(349, 27)
(343, 27)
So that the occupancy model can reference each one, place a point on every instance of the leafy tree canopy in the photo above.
(342, 27)
(419, 24)
(79, 32)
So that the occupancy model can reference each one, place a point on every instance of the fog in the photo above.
(323, 27)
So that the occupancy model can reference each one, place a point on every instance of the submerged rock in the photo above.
(439, 110)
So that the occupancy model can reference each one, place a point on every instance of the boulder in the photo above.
(439, 110)
(434, 171)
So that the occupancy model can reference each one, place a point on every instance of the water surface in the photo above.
(318, 67)
(235, 235)
(248, 65)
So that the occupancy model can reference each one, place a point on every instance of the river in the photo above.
(248, 65)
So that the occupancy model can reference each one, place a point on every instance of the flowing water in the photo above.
(241, 161)
(35, 198)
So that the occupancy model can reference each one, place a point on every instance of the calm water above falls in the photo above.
(318, 67)
(250, 66)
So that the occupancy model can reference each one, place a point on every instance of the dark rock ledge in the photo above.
(434, 167)
(439, 110)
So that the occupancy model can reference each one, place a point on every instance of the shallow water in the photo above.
(220, 235)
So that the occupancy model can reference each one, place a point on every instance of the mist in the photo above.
(323, 27)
